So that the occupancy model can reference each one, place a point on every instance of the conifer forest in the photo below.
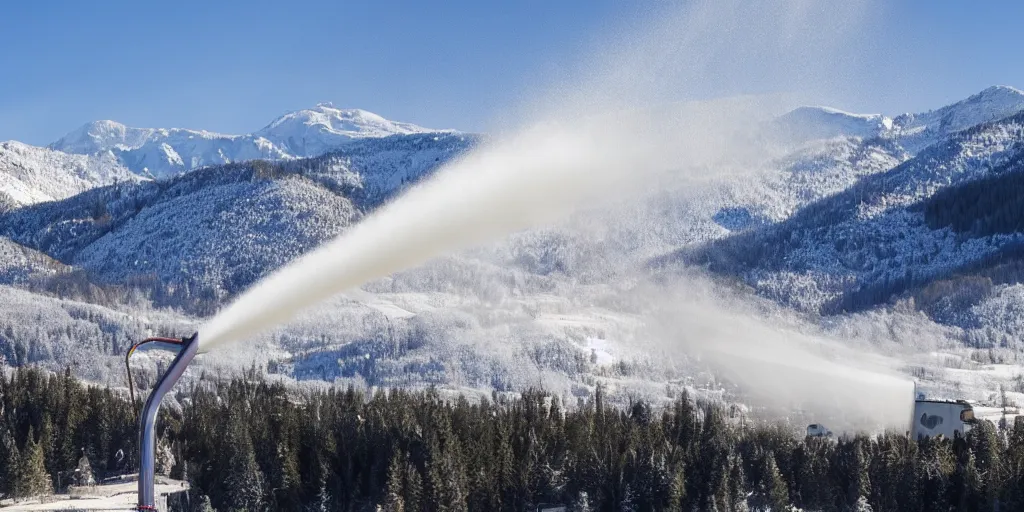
(249, 444)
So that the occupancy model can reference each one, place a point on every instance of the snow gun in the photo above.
(186, 349)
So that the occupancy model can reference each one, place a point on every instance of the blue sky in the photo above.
(234, 66)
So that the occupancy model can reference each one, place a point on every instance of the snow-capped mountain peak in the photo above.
(816, 122)
(313, 131)
(99, 135)
(351, 122)
(162, 152)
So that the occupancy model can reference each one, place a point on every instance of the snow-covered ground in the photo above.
(110, 497)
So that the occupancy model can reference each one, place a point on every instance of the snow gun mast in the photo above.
(186, 349)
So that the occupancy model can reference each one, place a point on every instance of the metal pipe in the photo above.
(147, 422)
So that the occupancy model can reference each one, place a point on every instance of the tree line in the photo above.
(249, 444)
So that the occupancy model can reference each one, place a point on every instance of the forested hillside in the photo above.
(890, 233)
(208, 234)
(251, 445)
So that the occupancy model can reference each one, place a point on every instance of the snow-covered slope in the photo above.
(850, 251)
(216, 231)
(219, 229)
(162, 152)
(30, 174)
(18, 262)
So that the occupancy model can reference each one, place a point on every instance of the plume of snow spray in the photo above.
(780, 365)
(537, 176)
(598, 137)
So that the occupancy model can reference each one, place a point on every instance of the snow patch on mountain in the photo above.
(160, 152)
(219, 229)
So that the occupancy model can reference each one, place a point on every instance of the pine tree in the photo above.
(45, 442)
(504, 470)
(164, 460)
(737, 486)
(862, 505)
(447, 481)
(628, 503)
(244, 481)
(10, 467)
(970, 483)
(710, 475)
(1014, 462)
(322, 500)
(984, 443)
(772, 491)
(84, 472)
(677, 489)
(203, 504)
(284, 477)
(395, 499)
(935, 468)
(32, 478)
(413, 488)
(852, 471)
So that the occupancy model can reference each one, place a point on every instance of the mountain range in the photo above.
(104, 152)
(132, 230)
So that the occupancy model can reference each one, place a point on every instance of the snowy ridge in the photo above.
(808, 123)
(917, 131)
(161, 152)
(913, 132)
(29, 174)
(105, 134)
